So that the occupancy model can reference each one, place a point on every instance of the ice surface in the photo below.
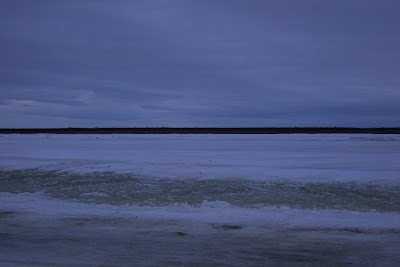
(301, 157)
(127, 188)
(37, 230)
(199, 200)
(220, 212)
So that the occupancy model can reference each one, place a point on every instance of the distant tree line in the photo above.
(166, 130)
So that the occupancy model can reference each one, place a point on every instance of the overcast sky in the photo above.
(199, 63)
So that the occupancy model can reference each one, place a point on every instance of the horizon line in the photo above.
(204, 130)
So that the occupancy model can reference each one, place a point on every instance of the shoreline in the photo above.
(201, 130)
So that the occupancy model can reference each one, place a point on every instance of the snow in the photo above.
(39, 228)
(302, 157)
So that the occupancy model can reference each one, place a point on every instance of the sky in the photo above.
(191, 63)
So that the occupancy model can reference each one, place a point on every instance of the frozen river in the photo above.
(199, 199)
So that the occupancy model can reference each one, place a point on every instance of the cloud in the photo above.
(203, 63)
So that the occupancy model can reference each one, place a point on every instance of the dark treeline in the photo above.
(162, 130)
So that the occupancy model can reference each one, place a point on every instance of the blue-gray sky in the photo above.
(199, 63)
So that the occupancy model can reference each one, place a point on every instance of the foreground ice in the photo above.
(199, 200)
(36, 230)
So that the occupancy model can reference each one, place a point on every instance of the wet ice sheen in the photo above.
(45, 231)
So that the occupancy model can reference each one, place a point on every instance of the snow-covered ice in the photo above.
(314, 157)
(199, 199)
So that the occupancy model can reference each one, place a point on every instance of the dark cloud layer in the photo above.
(199, 63)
